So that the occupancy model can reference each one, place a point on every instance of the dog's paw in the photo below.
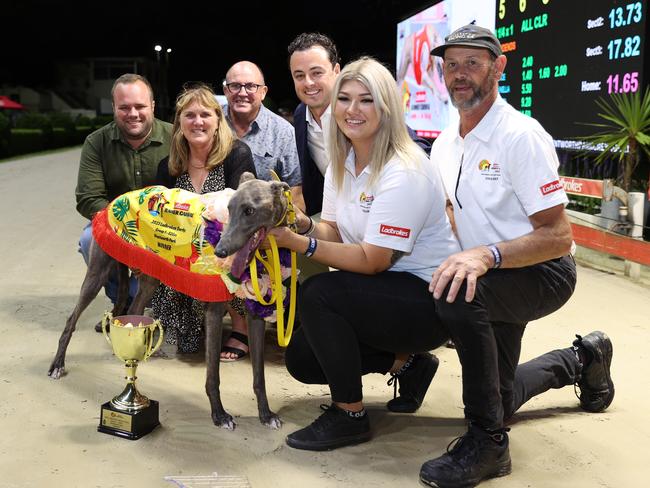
(272, 421)
(224, 420)
(56, 372)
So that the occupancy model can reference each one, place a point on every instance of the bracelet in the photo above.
(496, 254)
(312, 226)
(311, 249)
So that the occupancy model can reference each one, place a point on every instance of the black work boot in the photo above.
(414, 379)
(595, 383)
(334, 428)
(98, 327)
(476, 456)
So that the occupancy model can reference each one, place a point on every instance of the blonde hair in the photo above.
(392, 138)
(179, 153)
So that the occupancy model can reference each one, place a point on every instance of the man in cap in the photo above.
(499, 168)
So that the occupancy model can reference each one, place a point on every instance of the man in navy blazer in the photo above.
(314, 65)
(312, 178)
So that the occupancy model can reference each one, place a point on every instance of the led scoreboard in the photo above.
(564, 54)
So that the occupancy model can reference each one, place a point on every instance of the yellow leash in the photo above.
(272, 266)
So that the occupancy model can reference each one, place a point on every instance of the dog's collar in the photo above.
(289, 214)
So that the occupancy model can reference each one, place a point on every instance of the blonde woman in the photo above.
(384, 227)
(205, 156)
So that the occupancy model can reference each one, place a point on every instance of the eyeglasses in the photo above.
(470, 65)
(236, 87)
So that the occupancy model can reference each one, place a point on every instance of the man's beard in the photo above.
(480, 92)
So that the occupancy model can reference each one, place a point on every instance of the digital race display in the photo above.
(565, 54)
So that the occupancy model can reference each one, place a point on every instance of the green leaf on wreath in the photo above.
(127, 237)
(132, 228)
(143, 194)
(120, 208)
(197, 242)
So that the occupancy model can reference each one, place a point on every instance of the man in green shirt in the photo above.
(120, 157)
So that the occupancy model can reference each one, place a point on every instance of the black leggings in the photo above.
(354, 324)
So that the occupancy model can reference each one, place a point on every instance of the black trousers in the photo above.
(488, 332)
(354, 324)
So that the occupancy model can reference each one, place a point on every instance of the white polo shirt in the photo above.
(317, 138)
(503, 171)
(404, 211)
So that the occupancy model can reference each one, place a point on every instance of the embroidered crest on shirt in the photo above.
(489, 170)
(365, 202)
(391, 230)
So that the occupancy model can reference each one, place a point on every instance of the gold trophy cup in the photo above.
(130, 414)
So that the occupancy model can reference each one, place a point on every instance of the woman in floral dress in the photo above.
(205, 156)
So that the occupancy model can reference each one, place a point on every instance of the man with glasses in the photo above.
(499, 169)
(269, 136)
(271, 139)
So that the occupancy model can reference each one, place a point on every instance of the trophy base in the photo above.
(129, 425)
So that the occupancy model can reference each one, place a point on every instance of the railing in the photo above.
(590, 235)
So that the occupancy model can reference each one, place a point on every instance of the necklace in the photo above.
(198, 175)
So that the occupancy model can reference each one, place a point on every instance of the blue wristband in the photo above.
(496, 254)
(311, 249)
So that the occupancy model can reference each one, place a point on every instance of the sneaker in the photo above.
(414, 381)
(474, 457)
(595, 383)
(333, 429)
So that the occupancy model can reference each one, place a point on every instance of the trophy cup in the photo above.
(130, 414)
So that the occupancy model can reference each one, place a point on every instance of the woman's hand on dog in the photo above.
(285, 237)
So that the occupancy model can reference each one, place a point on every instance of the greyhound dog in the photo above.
(254, 208)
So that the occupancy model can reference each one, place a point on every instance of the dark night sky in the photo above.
(206, 37)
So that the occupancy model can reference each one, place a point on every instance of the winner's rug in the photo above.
(160, 231)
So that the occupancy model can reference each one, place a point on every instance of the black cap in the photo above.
(470, 35)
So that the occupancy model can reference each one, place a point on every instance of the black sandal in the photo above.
(239, 353)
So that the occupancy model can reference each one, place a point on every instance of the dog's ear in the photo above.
(279, 186)
(246, 176)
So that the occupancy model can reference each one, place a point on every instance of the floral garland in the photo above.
(212, 233)
(266, 312)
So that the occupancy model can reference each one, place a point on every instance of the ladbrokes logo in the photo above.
(572, 186)
(389, 230)
(550, 187)
(182, 206)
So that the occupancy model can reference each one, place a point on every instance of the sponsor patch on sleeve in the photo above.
(550, 187)
(390, 230)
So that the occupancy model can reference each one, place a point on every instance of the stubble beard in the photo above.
(480, 92)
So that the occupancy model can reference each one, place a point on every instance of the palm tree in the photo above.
(625, 131)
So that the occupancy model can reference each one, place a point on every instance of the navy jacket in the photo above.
(312, 179)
